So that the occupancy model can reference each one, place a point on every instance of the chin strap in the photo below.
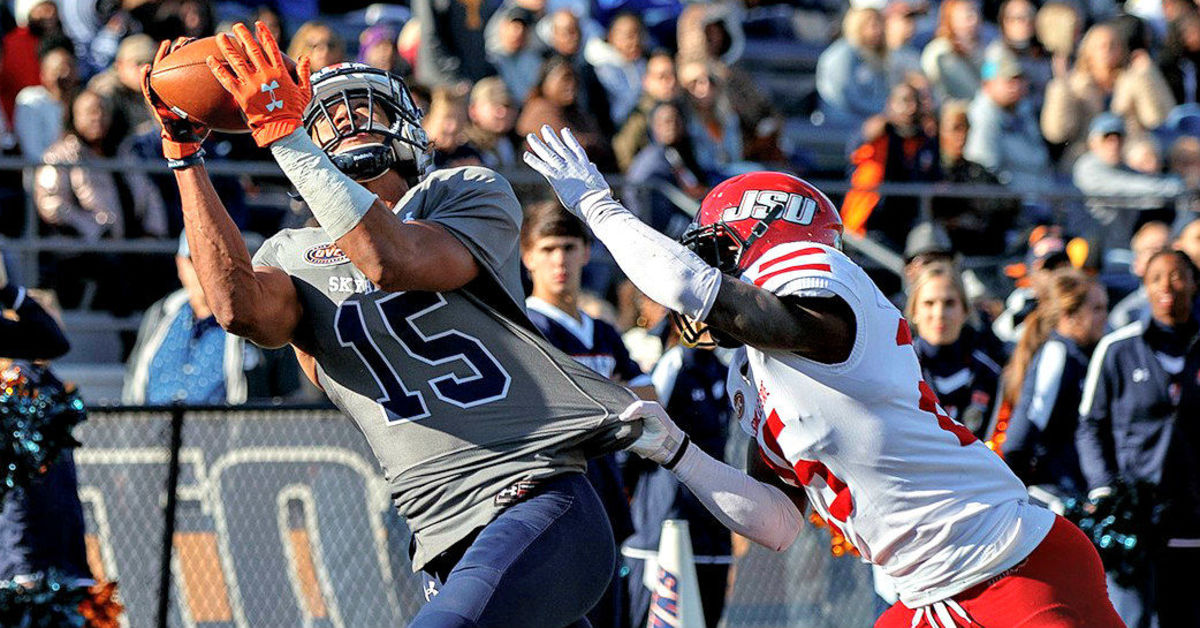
(364, 163)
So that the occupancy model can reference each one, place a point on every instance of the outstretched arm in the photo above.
(756, 510)
(257, 303)
(674, 276)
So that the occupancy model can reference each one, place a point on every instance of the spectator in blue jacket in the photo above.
(183, 355)
(665, 177)
(1044, 382)
(691, 384)
(954, 355)
(554, 249)
(852, 77)
(1138, 424)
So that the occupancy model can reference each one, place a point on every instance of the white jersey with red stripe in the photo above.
(877, 456)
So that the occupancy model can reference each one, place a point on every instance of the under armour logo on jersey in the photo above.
(431, 590)
(1140, 375)
(271, 87)
(513, 494)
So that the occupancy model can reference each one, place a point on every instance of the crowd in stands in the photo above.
(1008, 93)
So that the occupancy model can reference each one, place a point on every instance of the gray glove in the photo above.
(564, 163)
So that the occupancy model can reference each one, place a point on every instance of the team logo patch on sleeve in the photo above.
(325, 255)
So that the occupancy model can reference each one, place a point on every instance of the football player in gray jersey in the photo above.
(406, 308)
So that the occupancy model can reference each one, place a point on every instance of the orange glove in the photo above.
(180, 137)
(272, 101)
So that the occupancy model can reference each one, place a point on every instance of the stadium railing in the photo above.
(1063, 203)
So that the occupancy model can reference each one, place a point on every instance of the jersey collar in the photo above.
(583, 329)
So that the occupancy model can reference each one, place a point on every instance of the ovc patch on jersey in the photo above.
(325, 255)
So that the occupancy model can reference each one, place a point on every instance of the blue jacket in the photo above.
(1140, 418)
(964, 375)
(691, 385)
(1040, 447)
(596, 345)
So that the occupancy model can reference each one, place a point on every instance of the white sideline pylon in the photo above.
(676, 599)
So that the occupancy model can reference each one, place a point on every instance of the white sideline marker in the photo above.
(676, 599)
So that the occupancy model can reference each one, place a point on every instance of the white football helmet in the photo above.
(405, 148)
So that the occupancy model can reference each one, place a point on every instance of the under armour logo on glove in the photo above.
(275, 108)
(271, 87)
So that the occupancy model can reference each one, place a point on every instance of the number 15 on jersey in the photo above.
(487, 382)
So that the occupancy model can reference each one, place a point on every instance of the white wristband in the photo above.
(337, 201)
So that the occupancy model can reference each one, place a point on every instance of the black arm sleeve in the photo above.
(33, 335)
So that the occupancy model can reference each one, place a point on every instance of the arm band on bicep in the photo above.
(337, 201)
(660, 267)
(757, 511)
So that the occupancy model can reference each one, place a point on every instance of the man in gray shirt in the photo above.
(1004, 136)
(1120, 190)
(406, 308)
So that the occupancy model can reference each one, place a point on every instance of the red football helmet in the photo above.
(746, 215)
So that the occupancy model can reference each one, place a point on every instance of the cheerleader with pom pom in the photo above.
(44, 576)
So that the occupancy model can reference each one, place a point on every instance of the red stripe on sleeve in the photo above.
(767, 277)
(792, 255)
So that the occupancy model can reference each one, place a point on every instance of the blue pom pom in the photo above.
(50, 601)
(36, 423)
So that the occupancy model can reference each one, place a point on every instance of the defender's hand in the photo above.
(661, 441)
(181, 137)
(566, 166)
(261, 85)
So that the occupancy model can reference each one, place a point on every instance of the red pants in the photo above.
(1060, 585)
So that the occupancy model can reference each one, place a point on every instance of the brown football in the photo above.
(182, 80)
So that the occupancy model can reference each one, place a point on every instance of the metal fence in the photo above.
(279, 517)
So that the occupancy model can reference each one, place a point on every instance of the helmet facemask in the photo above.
(721, 248)
(716, 244)
(403, 146)
(695, 334)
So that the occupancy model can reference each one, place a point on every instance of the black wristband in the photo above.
(670, 464)
(191, 160)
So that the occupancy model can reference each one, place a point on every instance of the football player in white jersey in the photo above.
(830, 389)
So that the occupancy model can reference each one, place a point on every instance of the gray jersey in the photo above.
(458, 398)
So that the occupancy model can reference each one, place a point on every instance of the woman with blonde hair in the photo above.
(953, 59)
(317, 40)
(954, 355)
(1043, 381)
(852, 76)
(1106, 77)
